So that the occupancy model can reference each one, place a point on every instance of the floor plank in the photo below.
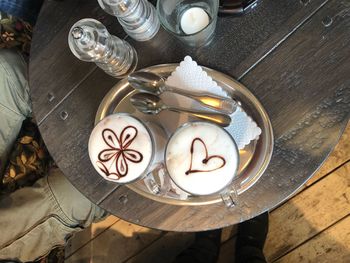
(332, 245)
(227, 251)
(118, 243)
(165, 249)
(80, 239)
(339, 156)
(228, 232)
(172, 243)
(308, 213)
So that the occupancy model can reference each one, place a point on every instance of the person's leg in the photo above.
(14, 100)
(35, 219)
(251, 238)
(205, 248)
(250, 241)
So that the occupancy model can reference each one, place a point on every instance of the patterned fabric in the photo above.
(28, 161)
(24, 9)
(15, 33)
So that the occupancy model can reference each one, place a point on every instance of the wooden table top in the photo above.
(293, 56)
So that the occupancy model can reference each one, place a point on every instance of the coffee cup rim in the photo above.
(142, 175)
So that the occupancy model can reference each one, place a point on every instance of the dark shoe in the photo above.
(251, 238)
(205, 248)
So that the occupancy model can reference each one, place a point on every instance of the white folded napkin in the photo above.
(190, 76)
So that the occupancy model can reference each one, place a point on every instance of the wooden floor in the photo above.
(313, 226)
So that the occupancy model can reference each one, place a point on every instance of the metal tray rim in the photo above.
(217, 76)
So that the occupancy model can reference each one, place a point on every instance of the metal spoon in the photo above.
(152, 104)
(151, 82)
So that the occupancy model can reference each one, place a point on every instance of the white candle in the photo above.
(194, 20)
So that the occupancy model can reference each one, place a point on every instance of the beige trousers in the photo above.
(33, 220)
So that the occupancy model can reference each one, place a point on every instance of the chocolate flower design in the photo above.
(118, 152)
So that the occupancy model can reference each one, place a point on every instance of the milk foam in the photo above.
(137, 148)
(223, 158)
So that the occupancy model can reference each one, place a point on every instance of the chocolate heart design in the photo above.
(206, 160)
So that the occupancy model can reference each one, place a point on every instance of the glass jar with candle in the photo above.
(192, 21)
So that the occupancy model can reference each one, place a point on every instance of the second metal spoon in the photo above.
(152, 104)
(151, 82)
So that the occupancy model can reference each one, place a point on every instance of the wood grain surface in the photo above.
(333, 245)
(312, 211)
(83, 238)
(169, 246)
(73, 158)
(288, 54)
(305, 222)
(53, 67)
(116, 244)
(339, 156)
(307, 112)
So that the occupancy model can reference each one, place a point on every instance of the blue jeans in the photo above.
(25, 9)
(34, 219)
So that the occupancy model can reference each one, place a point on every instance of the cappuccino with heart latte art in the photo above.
(201, 158)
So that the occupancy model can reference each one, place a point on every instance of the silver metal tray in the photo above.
(254, 158)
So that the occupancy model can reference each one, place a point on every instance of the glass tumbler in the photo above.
(202, 159)
(191, 21)
(124, 149)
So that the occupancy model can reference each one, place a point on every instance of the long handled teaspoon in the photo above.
(152, 83)
(152, 104)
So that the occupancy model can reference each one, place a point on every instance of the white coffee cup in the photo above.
(202, 159)
(124, 149)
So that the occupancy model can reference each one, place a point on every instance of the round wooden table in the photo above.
(293, 56)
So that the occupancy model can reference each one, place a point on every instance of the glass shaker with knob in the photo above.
(138, 17)
(90, 41)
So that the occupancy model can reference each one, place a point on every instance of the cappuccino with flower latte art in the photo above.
(122, 148)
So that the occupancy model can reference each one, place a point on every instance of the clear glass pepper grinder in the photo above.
(90, 41)
(138, 17)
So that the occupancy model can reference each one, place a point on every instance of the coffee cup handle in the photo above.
(230, 197)
(152, 184)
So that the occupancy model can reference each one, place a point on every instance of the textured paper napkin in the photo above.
(190, 76)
